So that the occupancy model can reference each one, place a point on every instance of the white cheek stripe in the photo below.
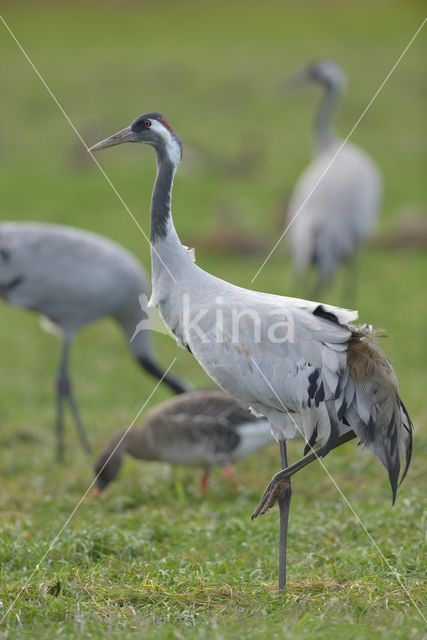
(174, 152)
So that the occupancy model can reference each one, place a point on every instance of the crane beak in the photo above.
(125, 135)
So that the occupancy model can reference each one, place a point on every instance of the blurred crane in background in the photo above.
(334, 206)
(73, 278)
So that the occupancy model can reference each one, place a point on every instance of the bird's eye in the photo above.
(147, 124)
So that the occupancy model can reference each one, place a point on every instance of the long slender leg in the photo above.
(61, 395)
(316, 288)
(350, 282)
(284, 508)
(79, 424)
(282, 479)
(65, 392)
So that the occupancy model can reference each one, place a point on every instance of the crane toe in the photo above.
(277, 488)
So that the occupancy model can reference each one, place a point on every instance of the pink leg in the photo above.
(204, 482)
(230, 474)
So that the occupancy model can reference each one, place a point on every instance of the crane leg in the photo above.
(284, 508)
(350, 282)
(59, 426)
(281, 481)
(65, 393)
(79, 424)
(318, 287)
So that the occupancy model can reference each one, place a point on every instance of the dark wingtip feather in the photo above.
(410, 445)
(394, 466)
(393, 474)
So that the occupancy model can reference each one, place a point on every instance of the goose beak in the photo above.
(125, 135)
(97, 492)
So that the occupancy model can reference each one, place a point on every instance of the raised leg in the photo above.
(284, 508)
(281, 481)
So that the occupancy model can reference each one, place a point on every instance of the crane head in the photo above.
(151, 128)
(324, 71)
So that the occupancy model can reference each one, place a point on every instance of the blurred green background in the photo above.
(140, 562)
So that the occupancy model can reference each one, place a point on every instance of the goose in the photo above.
(206, 428)
(73, 278)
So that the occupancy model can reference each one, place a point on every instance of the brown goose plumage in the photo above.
(204, 428)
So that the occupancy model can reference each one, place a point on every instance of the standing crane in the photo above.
(334, 206)
(302, 365)
(73, 278)
(206, 428)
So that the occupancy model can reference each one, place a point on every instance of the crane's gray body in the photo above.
(341, 213)
(318, 375)
(335, 203)
(72, 277)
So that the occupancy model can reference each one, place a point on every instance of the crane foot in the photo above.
(275, 490)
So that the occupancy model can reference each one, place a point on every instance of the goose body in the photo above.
(74, 278)
(206, 428)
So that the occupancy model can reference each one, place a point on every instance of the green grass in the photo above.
(142, 562)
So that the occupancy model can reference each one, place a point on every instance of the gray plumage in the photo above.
(333, 209)
(204, 428)
(73, 278)
(322, 377)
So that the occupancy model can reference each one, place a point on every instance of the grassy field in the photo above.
(146, 561)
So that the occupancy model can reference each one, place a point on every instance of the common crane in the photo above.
(334, 206)
(302, 365)
(73, 278)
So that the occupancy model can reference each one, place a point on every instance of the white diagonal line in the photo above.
(74, 128)
(76, 508)
(392, 569)
(340, 148)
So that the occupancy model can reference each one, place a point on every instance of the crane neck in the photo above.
(324, 133)
(168, 255)
(161, 200)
